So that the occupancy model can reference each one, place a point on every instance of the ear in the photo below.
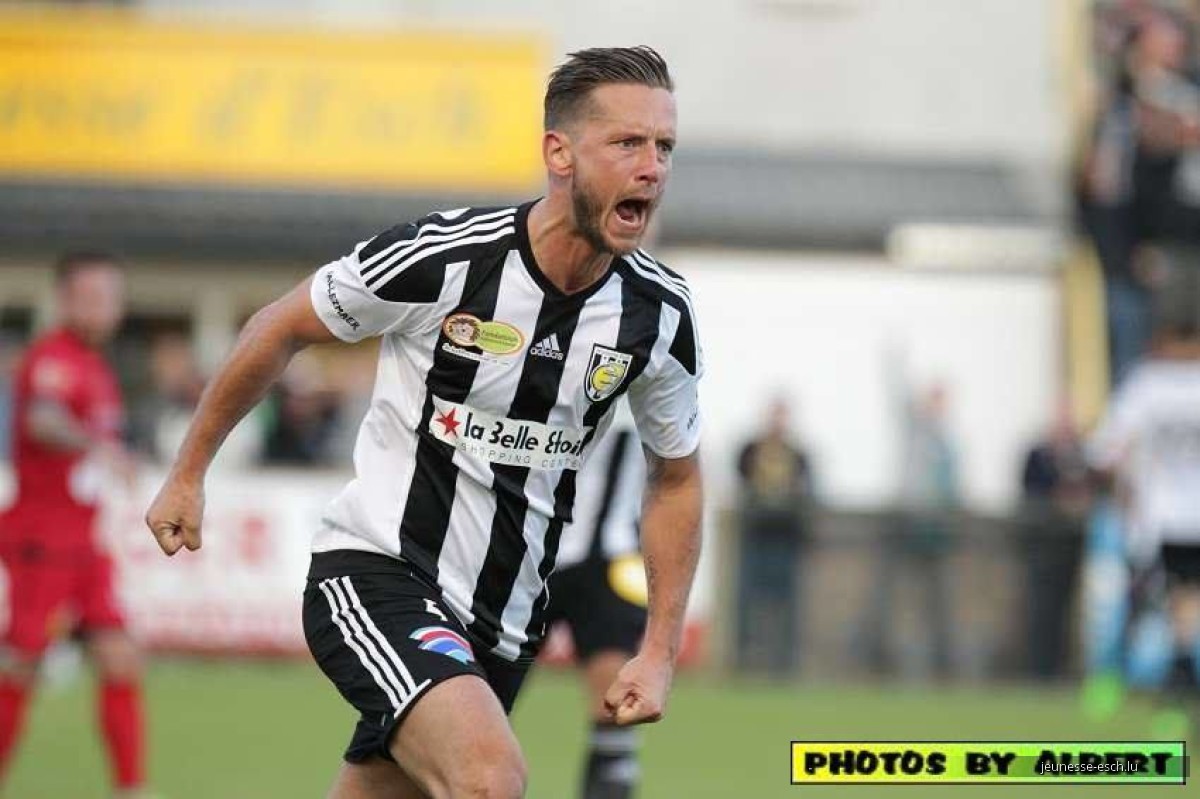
(556, 152)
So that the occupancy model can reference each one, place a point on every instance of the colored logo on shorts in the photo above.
(444, 642)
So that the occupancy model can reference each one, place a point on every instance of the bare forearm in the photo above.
(53, 426)
(671, 547)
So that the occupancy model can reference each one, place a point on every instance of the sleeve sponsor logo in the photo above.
(337, 304)
(606, 372)
(513, 442)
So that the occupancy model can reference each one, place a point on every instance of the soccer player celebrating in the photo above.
(67, 422)
(507, 336)
(599, 591)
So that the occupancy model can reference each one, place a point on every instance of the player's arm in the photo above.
(51, 424)
(49, 420)
(665, 404)
(1111, 442)
(263, 350)
(378, 288)
(671, 549)
(53, 384)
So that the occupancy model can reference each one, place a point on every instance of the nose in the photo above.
(652, 166)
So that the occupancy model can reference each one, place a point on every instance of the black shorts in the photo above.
(381, 634)
(601, 614)
(1181, 562)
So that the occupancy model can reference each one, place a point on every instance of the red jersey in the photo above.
(58, 491)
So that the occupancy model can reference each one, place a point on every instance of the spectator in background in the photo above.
(1057, 494)
(929, 499)
(776, 491)
(920, 541)
(177, 384)
(352, 377)
(1128, 180)
(305, 418)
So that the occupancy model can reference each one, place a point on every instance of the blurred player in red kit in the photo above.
(67, 422)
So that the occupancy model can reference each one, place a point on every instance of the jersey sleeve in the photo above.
(665, 399)
(387, 284)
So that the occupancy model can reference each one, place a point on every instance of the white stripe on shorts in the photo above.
(372, 630)
(389, 684)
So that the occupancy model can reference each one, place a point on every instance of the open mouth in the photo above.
(633, 212)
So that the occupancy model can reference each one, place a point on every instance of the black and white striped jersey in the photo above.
(491, 386)
(608, 496)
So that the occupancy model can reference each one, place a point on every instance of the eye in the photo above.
(666, 147)
(629, 143)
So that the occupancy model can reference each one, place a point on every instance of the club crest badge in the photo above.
(606, 372)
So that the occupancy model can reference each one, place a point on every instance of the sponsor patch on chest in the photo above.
(470, 337)
(513, 442)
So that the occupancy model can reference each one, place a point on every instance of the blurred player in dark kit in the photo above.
(599, 591)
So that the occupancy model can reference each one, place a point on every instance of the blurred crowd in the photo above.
(309, 420)
(1102, 556)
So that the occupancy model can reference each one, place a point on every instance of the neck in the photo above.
(565, 257)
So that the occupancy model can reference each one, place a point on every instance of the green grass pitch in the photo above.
(234, 730)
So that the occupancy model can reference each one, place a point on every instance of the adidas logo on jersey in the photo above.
(548, 348)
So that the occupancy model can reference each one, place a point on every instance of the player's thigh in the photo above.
(457, 742)
(102, 622)
(114, 654)
(40, 604)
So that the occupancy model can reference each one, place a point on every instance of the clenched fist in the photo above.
(639, 694)
(175, 515)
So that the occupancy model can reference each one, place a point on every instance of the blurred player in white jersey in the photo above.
(599, 592)
(1150, 439)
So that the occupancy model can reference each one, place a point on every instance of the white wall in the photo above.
(820, 327)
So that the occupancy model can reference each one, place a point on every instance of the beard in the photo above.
(588, 217)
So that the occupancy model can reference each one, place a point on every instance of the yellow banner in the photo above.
(112, 96)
